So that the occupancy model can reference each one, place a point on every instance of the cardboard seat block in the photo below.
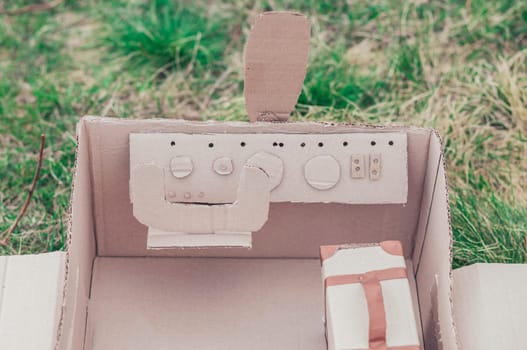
(368, 297)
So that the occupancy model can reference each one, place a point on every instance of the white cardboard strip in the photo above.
(300, 153)
(490, 303)
(159, 239)
(30, 300)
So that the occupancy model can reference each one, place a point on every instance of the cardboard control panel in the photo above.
(223, 183)
(359, 168)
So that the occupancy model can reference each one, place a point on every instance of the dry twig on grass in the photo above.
(31, 8)
(5, 241)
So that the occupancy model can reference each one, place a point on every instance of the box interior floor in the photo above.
(203, 303)
(120, 295)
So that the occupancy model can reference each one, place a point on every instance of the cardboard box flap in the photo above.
(275, 64)
(490, 306)
(31, 293)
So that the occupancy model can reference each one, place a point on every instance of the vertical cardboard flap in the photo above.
(275, 64)
(490, 306)
(31, 290)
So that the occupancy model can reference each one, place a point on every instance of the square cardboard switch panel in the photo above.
(368, 298)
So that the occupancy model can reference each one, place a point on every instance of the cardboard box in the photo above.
(110, 290)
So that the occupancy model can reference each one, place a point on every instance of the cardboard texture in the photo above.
(110, 290)
(275, 64)
(293, 230)
(368, 298)
(173, 180)
(220, 304)
(248, 213)
(30, 300)
(299, 157)
(490, 302)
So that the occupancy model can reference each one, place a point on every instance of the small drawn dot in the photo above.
(390, 143)
(356, 161)
(275, 144)
(303, 144)
(211, 145)
(242, 144)
(357, 168)
(375, 160)
(320, 144)
(281, 144)
(173, 143)
(373, 143)
(345, 143)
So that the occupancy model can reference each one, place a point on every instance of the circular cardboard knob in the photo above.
(322, 172)
(223, 166)
(271, 165)
(181, 166)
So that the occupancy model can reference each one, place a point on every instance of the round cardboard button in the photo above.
(181, 166)
(271, 164)
(223, 166)
(322, 172)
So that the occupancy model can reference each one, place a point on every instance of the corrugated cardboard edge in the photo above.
(68, 240)
(275, 64)
(74, 280)
(451, 239)
(452, 342)
(287, 127)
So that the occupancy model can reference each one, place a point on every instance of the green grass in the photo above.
(487, 228)
(166, 34)
(436, 64)
(334, 82)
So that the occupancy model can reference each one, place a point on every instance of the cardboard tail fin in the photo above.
(275, 65)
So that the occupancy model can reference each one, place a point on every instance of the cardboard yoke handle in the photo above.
(247, 214)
